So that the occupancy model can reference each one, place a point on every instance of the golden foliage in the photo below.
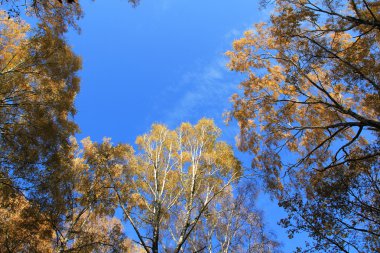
(166, 186)
(22, 228)
(38, 87)
(310, 105)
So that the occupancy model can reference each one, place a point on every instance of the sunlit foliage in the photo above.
(309, 113)
(174, 188)
(38, 87)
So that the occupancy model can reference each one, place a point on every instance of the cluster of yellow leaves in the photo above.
(100, 169)
(22, 228)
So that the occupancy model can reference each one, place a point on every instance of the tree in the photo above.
(38, 76)
(171, 187)
(312, 91)
(38, 87)
(84, 222)
(39, 204)
(88, 223)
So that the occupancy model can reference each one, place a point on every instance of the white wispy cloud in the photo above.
(206, 93)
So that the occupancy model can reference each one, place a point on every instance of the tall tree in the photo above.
(39, 203)
(38, 86)
(172, 182)
(309, 112)
(171, 187)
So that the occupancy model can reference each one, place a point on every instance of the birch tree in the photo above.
(178, 174)
(177, 191)
(166, 187)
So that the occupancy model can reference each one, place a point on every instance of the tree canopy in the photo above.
(309, 116)
(38, 87)
(309, 113)
(174, 190)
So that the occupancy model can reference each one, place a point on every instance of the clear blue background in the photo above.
(162, 62)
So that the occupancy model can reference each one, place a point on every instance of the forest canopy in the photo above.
(308, 113)
(312, 91)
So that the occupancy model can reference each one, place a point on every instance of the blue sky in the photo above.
(161, 62)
